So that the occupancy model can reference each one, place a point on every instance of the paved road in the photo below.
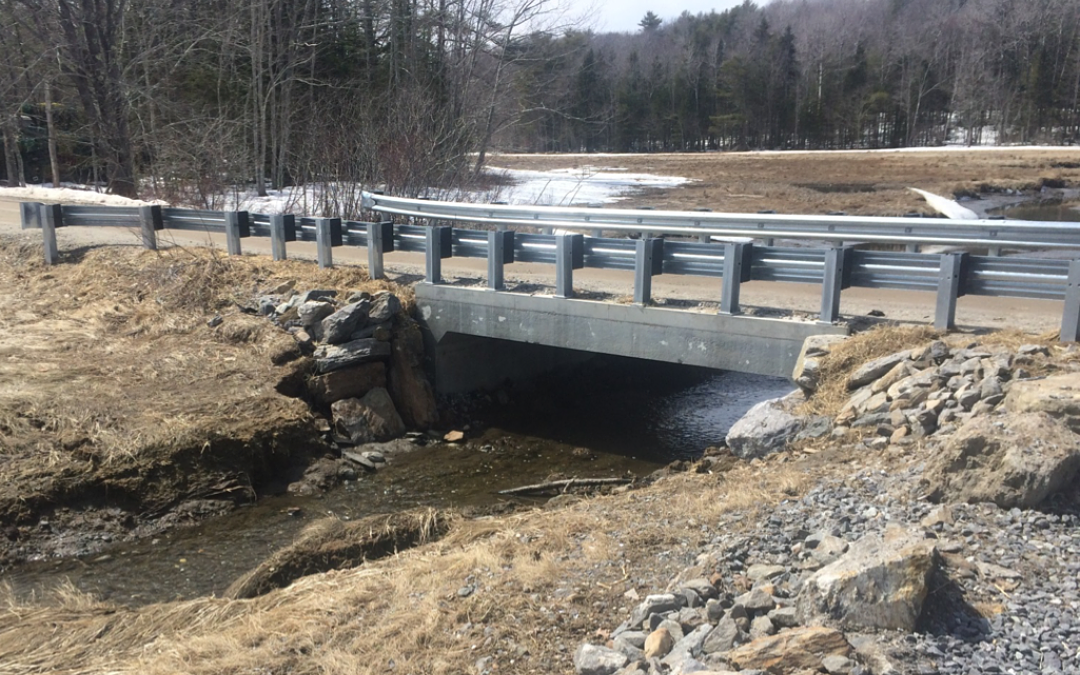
(905, 306)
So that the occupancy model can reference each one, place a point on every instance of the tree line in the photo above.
(189, 100)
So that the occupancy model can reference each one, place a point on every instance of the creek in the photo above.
(608, 418)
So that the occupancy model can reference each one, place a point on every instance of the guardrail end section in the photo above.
(30, 213)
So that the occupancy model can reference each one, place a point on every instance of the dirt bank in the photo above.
(134, 384)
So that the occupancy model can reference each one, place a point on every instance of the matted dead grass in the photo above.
(858, 183)
(848, 355)
(108, 367)
(540, 582)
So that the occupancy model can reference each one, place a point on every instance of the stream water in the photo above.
(611, 417)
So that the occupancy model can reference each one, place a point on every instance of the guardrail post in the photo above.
(440, 244)
(52, 217)
(735, 256)
(282, 230)
(648, 261)
(31, 215)
(993, 252)
(237, 227)
(834, 280)
(375, 251)
(327, 235)
(569, 255)
(950, 277)
(1070, 318)
(500, 250)
(150, 221)
(911, 248)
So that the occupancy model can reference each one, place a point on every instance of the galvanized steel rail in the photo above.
(937, 231)
(834, 268)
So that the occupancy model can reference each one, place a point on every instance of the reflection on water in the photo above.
(1066, 212)
(630, 417)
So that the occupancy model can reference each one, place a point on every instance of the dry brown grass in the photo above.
(848, 355)
(544, 580)
(800, 182)
(106, 359)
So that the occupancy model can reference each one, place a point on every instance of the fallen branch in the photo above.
(564, 484)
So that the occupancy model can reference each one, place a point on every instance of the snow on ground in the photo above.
(934, 148)
(583, 185)
(69, 193)
(559, 187)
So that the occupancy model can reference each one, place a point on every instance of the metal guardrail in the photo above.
(949, 276)
(938, 231)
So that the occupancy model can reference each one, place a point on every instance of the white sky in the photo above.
(624, 15)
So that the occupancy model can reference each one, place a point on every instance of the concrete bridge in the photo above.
(480, 338)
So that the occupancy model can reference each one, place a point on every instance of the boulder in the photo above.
(313, 311)
(335, 357)
(348, 382)
(1011, 460)
(872, 370)
(594, 660)
(659, 643)
(339, 326)
(723, 637)
(408, 385)
(367, 419)
(384, 305)
(808, 365)
(765, 429)
(790, 651)
(880, 582)
(653, 604)
(686, 649)
(1057, 396)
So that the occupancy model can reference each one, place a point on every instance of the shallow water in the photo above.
(1064, 212)
(613, 417)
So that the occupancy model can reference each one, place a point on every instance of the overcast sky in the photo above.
(624, 15)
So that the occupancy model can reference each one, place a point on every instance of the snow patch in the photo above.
(579, 186)
(70, 193)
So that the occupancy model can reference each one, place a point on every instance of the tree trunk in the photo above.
(54, 162)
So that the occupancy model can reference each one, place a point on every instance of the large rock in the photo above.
(384, 306)
(1058, 396)
(367, 419)
(880, 582)
(348, 382)
(339, 326)
(790, 651)
(408, 385)
(313, 311)
(1010, 460)
(872, 370)
(808, 365)
(335, 357)
(765, 429)
(593, 660)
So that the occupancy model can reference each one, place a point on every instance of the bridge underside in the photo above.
(482, 338)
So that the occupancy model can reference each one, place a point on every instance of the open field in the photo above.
(858, 183)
